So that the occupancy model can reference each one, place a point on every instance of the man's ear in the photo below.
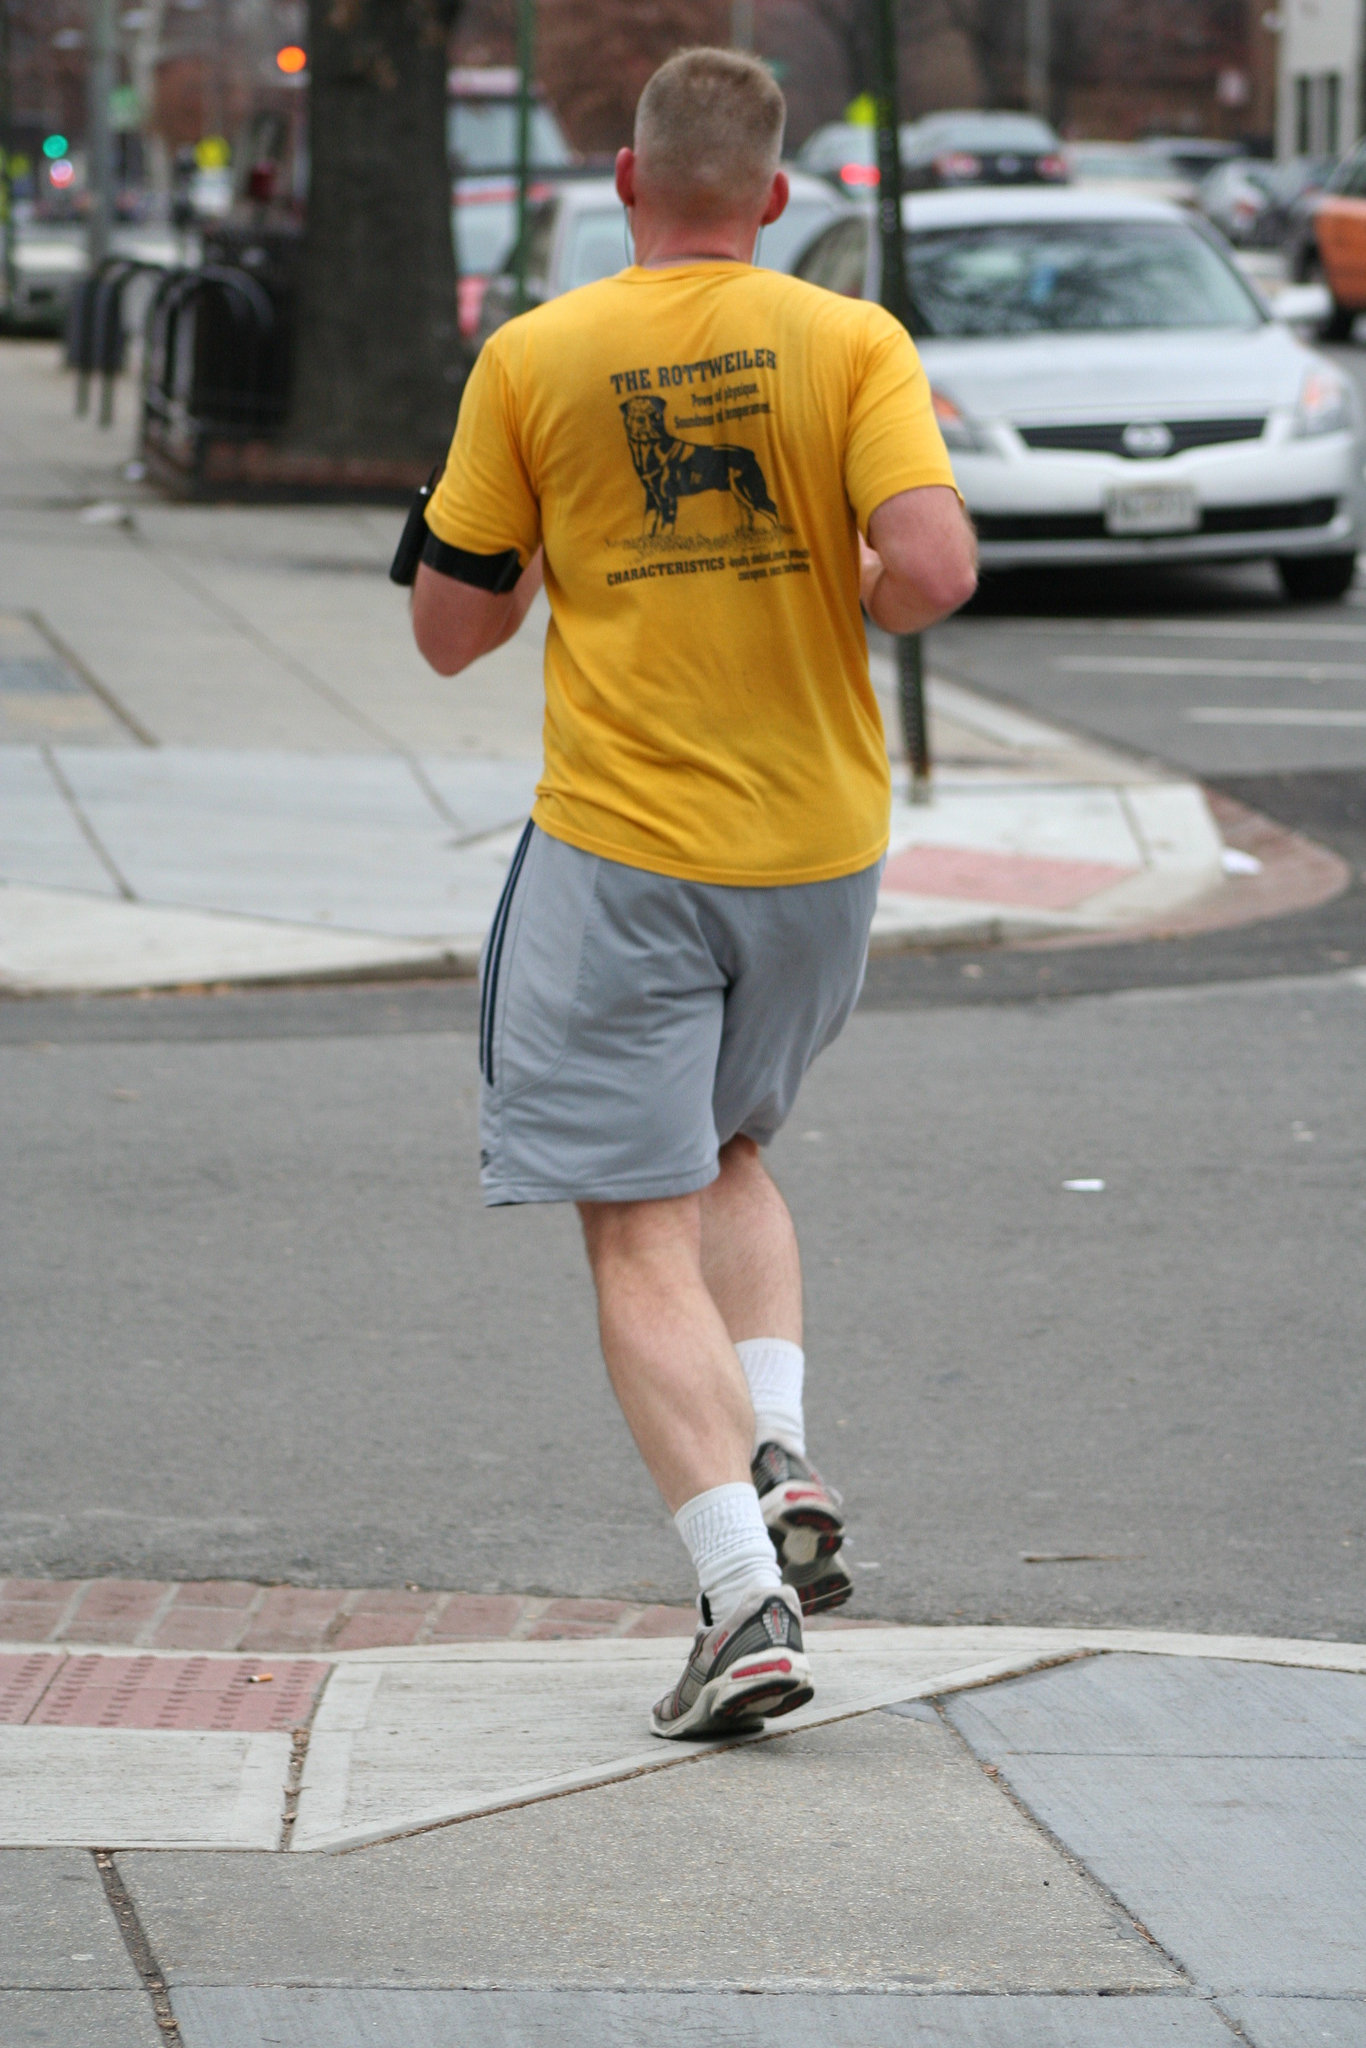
(626, 177)
(778, 195)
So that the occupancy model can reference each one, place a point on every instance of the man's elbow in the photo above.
(949, 583)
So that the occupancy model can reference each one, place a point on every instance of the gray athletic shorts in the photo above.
(631, 1023)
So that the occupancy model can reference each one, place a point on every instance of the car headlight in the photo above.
(1325, 403)
(957, 427)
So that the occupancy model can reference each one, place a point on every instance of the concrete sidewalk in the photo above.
(221, 758)
(995, 1837)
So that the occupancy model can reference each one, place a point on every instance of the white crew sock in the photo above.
(732, 1550)
(775, 1369)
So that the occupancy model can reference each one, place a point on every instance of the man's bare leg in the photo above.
(683, 1392)
(750, 1260)
(753, 1272)
(671, 1362)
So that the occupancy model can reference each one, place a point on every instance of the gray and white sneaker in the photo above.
(803, 1516)
(740, 1671)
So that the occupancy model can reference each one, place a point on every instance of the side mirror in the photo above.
(1303, 305)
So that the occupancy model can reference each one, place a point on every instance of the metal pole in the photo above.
(99, 143)
(6, 142)
(526, 52)
(896, 297)
(1039, 58)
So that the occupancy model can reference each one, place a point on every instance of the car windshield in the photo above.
(1126, 164)
(481, 135)
(1073, 277)
(988, 132)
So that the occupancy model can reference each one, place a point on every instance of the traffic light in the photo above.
(291, 59)
(55, 146)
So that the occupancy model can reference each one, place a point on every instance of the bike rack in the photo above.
(96, 336)
(216, 360)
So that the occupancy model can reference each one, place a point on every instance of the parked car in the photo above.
(579, 234)
(48, 262)
(981, 149)
(1194, 156)
(484, 224)
(1327, 240)
(1113, 390)
(481, 125)
(846, 155)
(1237, 196)
(1120, 168)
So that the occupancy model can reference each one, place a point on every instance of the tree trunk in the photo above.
(377, 355)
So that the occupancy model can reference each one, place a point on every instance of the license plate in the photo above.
(1152, 508)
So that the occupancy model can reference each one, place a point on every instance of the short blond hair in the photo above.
(709, 131)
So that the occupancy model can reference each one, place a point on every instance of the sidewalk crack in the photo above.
(138, 1947)
(91, 836)
(90, 679)
(997, 1778)
(338, 699)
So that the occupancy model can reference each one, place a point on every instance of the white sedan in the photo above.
(1112, 389)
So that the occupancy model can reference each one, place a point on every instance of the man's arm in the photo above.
(454, 622)
(921, 560)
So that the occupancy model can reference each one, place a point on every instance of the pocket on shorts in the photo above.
(532, 964)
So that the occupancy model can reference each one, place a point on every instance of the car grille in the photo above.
(1214, 519)
(1107, 437)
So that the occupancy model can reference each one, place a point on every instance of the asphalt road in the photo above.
(256, 1323)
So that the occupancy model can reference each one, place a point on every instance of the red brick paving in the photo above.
(475, 1617)
(235, 1615)
(232, 1615)
(23, 1681)
(100, 1691)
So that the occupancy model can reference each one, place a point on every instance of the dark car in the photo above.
(846, 154)
(1255, 203)
(981, 149)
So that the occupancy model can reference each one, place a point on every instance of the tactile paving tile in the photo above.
(23, 1681)
(181, 1692)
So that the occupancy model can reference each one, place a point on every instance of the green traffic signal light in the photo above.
(55, 146)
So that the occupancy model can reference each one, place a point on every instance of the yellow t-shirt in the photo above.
(696, 447)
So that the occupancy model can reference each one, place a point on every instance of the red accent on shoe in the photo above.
(757, 1670)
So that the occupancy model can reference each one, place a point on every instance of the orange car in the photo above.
(1340, 233)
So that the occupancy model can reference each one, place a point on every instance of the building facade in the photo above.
(1319, 76)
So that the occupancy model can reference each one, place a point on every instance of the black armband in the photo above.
(497, 574)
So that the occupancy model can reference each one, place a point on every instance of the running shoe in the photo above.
(803, 1517)
(744, 1668)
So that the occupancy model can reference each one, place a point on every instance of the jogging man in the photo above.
(689, 453)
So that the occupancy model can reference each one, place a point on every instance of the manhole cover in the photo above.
(38, 675)
(247, 1694)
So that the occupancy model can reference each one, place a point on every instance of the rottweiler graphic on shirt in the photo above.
(670, 468)
(697, 448)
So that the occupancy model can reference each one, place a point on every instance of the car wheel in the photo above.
(1339, 324)
(1316, 579)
